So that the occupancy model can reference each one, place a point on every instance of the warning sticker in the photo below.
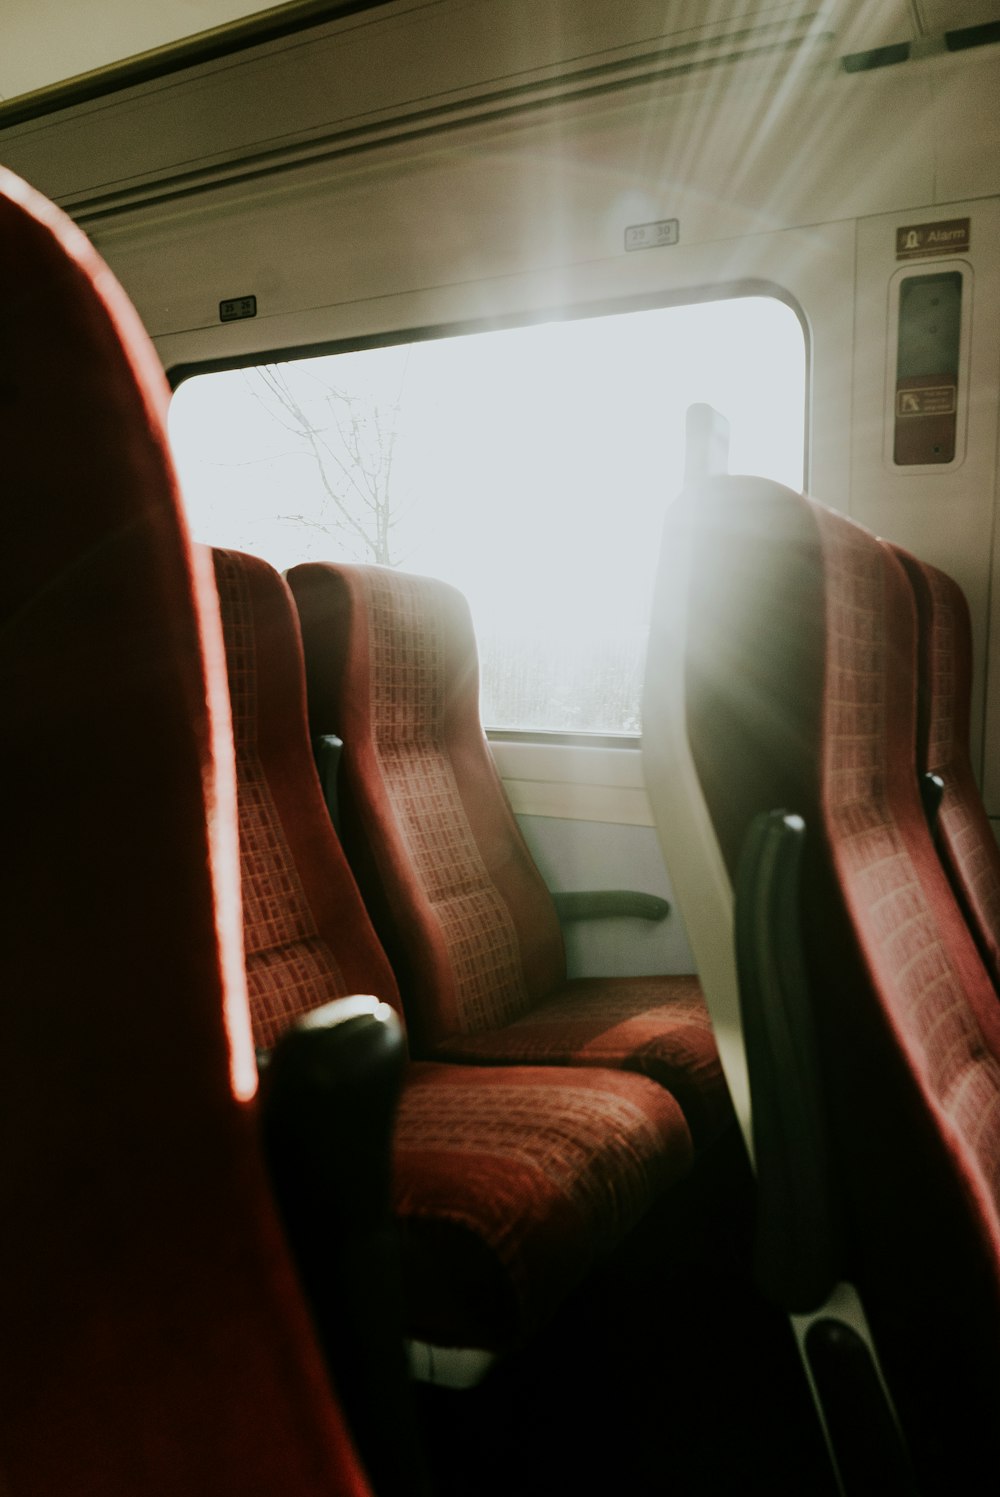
(939, 400)
(917, 241)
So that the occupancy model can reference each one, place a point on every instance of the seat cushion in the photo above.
(511, 1183)
(658, 1026)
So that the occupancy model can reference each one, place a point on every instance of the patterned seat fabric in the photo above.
(509, 1184)
(804, 649)
(963, 833)
(154, 1337)
(467, 922)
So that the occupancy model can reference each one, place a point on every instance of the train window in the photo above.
(529, 466)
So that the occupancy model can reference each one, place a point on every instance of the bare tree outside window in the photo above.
(350, 441)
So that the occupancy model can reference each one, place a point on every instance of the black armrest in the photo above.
(605, 904)
(931, 796)
(797, 1254)
(329, 1096)
(327, 749)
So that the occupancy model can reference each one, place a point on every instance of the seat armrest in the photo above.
(608, 904)
(329, 1094)
(797, 1249)
(931, 796)
(327, 751)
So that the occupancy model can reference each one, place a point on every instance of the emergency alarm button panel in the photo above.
(928, 358)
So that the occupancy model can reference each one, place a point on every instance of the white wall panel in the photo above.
(945, 516)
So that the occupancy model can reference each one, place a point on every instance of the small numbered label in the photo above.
(652, 236)
(237, 307)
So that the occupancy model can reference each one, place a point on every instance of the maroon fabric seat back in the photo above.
(154, 1340)
(801, 696)
(964, 836)
(455, 895)
(308, 938)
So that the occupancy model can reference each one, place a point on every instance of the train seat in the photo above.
(468, 924)
(509, 1183)
(154, 1336)
(962, 830)
(800, 702)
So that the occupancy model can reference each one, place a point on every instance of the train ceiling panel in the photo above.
(897, 30)
(47, 41)
(935, 17)
(404, 66)
(381, 71)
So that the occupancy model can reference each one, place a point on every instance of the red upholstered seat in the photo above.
(154, 1338)
(510, 1184)
(461, 908)
(963, 834)
(801, 695)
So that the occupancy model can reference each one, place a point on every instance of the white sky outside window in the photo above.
(531, 467)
